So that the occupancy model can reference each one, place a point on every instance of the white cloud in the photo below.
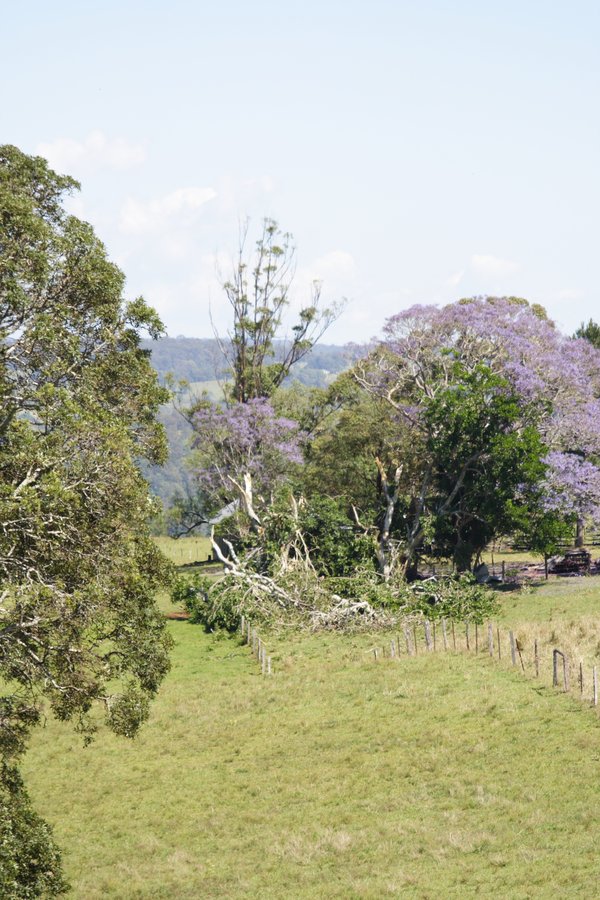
(493, 266)
(138, 217)
(244, 197)
(93, 152)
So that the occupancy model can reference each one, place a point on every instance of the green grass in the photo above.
(185, 550)
(510, 557)
(557, 599)
(438, 776)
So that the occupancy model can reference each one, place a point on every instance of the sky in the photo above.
(419, 152)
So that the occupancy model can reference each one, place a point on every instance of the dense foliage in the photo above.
(30, 863)
(79, 630)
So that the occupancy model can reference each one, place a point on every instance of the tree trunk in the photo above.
(410, 567)
(384, 556)
(463, 555)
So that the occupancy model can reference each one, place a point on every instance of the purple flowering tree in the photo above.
(243, 453)
(555, 379)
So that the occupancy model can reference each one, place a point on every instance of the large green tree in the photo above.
(79, 630)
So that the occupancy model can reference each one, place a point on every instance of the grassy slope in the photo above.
(338, 777)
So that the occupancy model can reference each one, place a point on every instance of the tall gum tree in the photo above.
(262, 346)
(79, 629)
(258, 290)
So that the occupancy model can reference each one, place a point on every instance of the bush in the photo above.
(220, 604)
(369, 586)
(213, 604)
(336, 547)
(455, 598)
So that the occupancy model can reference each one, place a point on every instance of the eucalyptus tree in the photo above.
(263, 344)
(79, 631)
(258, 290)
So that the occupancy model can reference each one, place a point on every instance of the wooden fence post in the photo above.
(536, 658)
(513, 649)
(581, 678)
(555, 654)
(444, 635)
(467, 635)
(407, 639)
(453, 635)
(490, 639)
(393, 649)
(498, 641)
(503, 570)
(434, 637)
(268, 665)
(415, 637)
(476, 638)
(243, 625)
(427, 635)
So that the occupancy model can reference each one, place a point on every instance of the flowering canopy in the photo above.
(556, 378)
(504, 416)
(244, 439)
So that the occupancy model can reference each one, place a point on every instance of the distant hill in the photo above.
(199, 361)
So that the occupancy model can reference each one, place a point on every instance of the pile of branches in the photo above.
(293, 593)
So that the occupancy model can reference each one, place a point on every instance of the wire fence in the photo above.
(251, 637)
(532, 658)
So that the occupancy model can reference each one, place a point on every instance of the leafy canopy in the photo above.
(79, 631)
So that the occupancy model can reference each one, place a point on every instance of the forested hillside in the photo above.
(200, 362)
(200, 359)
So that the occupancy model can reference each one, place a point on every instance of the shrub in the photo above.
(213, 604)
(455, 598)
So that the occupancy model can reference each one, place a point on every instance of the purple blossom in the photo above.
(244, 438)
(572, 485)
(556, 377)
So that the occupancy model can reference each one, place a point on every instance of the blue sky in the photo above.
(419, 152)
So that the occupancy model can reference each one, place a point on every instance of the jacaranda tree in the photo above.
(502, 408)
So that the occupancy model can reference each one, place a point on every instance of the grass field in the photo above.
(439, 776)
(185, 550)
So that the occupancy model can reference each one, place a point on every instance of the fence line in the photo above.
(251, 637)
(426, 632)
